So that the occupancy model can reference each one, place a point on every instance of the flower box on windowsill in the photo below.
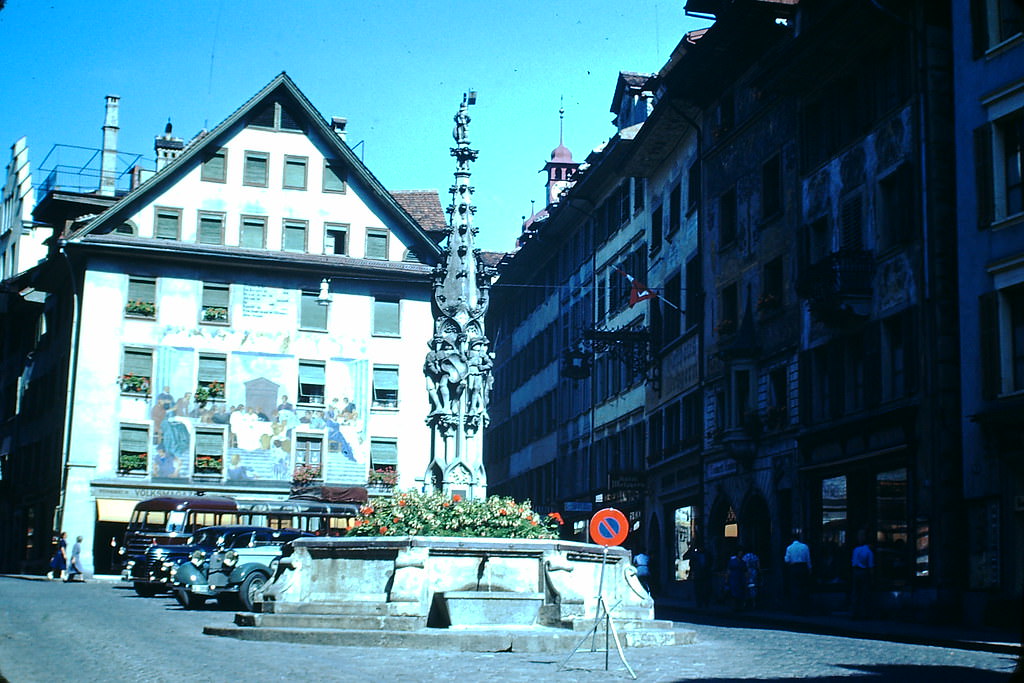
(134, 385)
(132, 464)
(209, 465)
(140, 309)
(215, 314)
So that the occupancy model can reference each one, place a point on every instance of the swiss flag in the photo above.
(638, 291)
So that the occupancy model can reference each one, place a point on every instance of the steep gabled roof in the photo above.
(424, 206)
(304, 113)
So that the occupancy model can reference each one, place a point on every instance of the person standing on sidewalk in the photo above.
(59, 561)
(753, 563)
(75, 565)
(798, 569)
(700, 572)
(862, 566)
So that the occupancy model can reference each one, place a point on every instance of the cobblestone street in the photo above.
(103, 631)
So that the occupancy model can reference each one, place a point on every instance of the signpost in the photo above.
(608, 527)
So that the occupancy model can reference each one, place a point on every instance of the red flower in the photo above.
(402, 502)
(557, 516)
(367, 510)
(396, 519)
(357, 522)
(383, 529)
(502, 511)
(456, 498)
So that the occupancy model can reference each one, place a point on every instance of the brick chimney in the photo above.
(108, 162)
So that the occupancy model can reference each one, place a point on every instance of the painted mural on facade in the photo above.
(269, 429)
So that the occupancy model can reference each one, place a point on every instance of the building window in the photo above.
(833, 515)
(335, 238)
(256, 168)
(893, 359)
(293, 237)
(411, 256)
(136, 371)
(1001, 317)
(168, 224)
(295, 172)
(276, 116)
(216, 302)
(141, 298)
(692, 186)
(312, 314)
(215, 166)
(253, 232)
(895, 208)
(309, 454)
(694, 296)
(211, 377)
(211, 228)
(386, 318)
(994, 22)
(851, 229)
(772, 282)
(377, 244)
(778, 399)
(209, 453)
(771, 188)
(639, 190)
(312, 379)
(998, 158)
(729, 320)
(383, 461)
(675, 214)
(334, 177)
(133, 449)
(656, 230)
(385, 386)
(727, 218)
(126, 228)
(1012, 132)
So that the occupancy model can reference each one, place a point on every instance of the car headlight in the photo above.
(121, 550)
(197, 557)
(230, 558)
(131, 563)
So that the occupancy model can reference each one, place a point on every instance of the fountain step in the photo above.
(331, 621)
(526, 639)
(346, 607)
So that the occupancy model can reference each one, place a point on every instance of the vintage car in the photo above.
(235, 571)
(153, 572)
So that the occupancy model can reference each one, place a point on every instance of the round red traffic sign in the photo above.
(608, 527)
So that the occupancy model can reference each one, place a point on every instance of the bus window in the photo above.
(151, 520)
(176, 521)
(201, 519)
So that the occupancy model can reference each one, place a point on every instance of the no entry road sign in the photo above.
(608, 527)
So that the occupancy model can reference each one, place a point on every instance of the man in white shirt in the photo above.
(798, 570)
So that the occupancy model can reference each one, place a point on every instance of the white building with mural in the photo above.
(255, 313)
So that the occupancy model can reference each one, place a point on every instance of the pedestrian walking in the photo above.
(798, 570)
(736, 579)
(753, 563)
(59, 561)
(700, 573)
(75, 565)
(862, 566)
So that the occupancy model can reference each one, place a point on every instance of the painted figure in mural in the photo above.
(285, 404)
(317, 421)
(238, 471)
(181, 406)
(163, 403)
(165, 463)
(348, 411)
(336, 440)
(280, 457)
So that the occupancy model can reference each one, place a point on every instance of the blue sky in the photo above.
(396, 70)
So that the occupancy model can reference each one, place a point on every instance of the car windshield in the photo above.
(206, 537)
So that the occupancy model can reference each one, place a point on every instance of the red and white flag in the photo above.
(638, 290)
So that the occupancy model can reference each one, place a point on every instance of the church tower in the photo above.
(561, 170)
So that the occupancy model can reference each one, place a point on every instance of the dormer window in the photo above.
(275, 116)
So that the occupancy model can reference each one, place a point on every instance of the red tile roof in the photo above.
(424, 206)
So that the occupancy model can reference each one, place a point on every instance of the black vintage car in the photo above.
(154, 572)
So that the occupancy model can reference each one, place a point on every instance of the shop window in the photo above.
(334, 177)
(892, 550)
(295, 172)
(133, 449)
(294, 236)
(385, 386)
(336, 238)
(386, 320)
(255, 169)
(136, 371)
(253, 232)
(215, 166)
(167, 223)
(683, 523)
(216, 302)
(834, 514)
(141, 301)
(376, 244)
(210, 448)
(312, 380)
(312, 314)
(211, 228)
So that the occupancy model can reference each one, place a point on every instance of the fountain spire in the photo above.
(458, 363)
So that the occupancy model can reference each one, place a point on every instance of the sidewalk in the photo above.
(957, 637)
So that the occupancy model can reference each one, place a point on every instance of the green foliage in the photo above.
(410, 513)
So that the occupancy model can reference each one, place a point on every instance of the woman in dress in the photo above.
(75, 565)
(60, 559)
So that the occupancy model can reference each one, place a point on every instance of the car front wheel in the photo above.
(250, 589)
(189, 600)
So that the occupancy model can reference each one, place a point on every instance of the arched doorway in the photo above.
(756, 523)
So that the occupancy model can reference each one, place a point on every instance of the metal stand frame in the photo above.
(603, 615)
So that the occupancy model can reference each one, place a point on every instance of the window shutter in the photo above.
(216, 295)
(138, 363)
(209, 442)
(212, 368)
(314, 315)
(385, 378)
(983, 175)
(255, 170)
(288, 121)
(852, 219)
(311, 373)
(167, 225)
(134, 439)
(376, 246)
(213, 168)
(211, 230)
(384, 452)
(988, 319)
(294, 237)
(264, 117)
(385, 317)
(142, 290)
(333, 177)
(295, 173)
(253, 233)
